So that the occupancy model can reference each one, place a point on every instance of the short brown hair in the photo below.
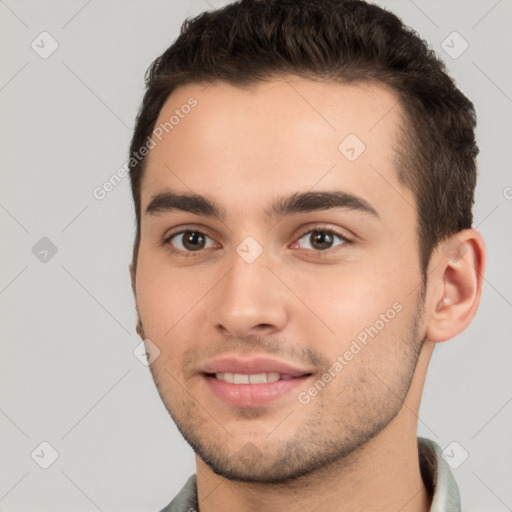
(345, 41)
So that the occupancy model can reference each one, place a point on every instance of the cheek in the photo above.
(353, 301)
(340, 298)
(164, 295)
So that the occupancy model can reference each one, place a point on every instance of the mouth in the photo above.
(252, 382)
(254, 378)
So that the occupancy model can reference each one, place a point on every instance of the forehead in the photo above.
(278, 137)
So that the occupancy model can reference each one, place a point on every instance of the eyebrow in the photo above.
(169, 201)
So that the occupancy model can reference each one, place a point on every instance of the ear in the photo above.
(455, 284)
(138, 327)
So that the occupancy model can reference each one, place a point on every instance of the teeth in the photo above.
(255, 378)
(240, 378)
(272, 377)
(258, 378)
(228, 377)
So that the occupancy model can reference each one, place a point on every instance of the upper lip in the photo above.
(251, 366)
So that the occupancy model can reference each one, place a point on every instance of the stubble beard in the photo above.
(321, 442)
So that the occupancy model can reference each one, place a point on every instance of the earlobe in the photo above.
(140, 329)
(457, 277)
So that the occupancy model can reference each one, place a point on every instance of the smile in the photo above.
(252, 381)
(254, 378)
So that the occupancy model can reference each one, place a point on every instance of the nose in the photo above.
(248, 301)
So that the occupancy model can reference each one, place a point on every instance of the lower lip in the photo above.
(252, 395)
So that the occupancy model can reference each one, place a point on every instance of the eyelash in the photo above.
(318, 253)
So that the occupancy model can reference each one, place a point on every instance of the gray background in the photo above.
(68, 373)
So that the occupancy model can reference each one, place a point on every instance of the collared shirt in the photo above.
(436, 474)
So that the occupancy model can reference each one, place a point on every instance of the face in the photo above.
(278, 272)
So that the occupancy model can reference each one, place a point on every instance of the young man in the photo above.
(303, 175)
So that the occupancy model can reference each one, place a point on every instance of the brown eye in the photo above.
(190, 241)
(193, 240)
(320, 240)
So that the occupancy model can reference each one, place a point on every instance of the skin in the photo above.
(353, 446)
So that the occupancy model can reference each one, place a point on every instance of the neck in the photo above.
(383, 475)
